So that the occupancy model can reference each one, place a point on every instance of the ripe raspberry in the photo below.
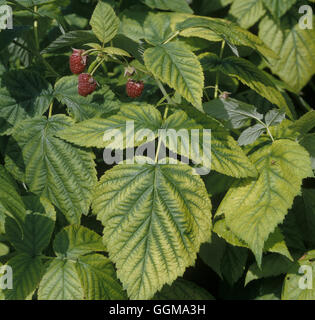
(86, 84)
(134, 88)
(77, 61)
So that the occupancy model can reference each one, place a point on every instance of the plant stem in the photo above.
(165, 94)
(218, 75)
(36, 30)
(102, 60)
(171, 37)
(50, 109)
(160, 140)
(267, 128)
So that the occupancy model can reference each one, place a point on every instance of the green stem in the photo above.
(218, 75)
(36, 30)
(172, 37)
(102, 60)
(267, 128)
(165, 94)
(50, 109)
(160, 140)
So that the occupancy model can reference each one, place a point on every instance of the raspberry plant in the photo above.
(74, 227)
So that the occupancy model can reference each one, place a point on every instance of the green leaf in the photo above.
(116, 51)
(248, 74)
(253, 209)
(37, 230)
(26, 273)
(247, 12)
(11, 203)
(235, 112)
(274, 117)
(272, 265)
(291, 287)
(251, 134)
(308, 142)
(104, 22)
(56, 169)
(23, 94)
(226, 156)
(202, 33)
(98, 278)
(306, 123)
(60, 282)
(152, 212)
(70, 39)
(100, 103)
(229, 32)
(276, 243)
(171, 63)
(212, 253)
(183, 290)
(294, 46)
(174, 5)
(4, 249)
(277, 7)
(91, 132)
(157, 28)
(76, 240)
(233, 263)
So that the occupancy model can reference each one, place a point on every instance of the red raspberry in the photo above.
(134, 88)
(86, 84)
(77, 61)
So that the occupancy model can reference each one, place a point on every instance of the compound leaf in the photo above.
(152, 213)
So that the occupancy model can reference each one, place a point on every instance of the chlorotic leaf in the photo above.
(10, 201)
(76, 240)
(247, 12)
(183, 290)
(295, 47)
(152, 213)
(277, 7)
(23, 94)
(226, 156)
(299, 284)
(248, 74)
(174, 5)
(253, 209)
(56, 169)
(104, 22)
(171, 63)
(100, 103)
(92, 132)
(37, 230)
(26, 273)
(98, 278)
(60, 282)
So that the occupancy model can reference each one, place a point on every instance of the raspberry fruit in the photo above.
(86, 84)
(77, 61)
(134, 88)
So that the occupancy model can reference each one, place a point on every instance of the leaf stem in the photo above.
(50, 109)
(218, 74)
(171, 37)
(160, 140)
(267, 128)
(102, 60)
(36, 30)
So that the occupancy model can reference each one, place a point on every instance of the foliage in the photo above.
(73, 227)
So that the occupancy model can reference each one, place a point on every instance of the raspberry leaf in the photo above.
(146, 214)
